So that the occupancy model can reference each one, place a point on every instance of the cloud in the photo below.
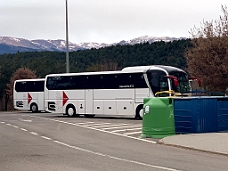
(104, 20)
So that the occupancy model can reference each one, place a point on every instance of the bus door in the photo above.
(40, 100)
(89, 101)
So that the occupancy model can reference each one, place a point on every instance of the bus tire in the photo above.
(139, 112)
(70, 110)
(34, 108)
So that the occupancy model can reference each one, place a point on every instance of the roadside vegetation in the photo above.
(208, 58)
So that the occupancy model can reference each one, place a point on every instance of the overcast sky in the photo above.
(104, 21)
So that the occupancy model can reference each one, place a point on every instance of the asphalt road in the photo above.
(49, 142)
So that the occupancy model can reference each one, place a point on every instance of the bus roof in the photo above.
(93, 73)
(134, 69)
(32, 79)
(145, 68)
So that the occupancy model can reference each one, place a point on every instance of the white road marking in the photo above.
(84, 123)
(25, 120)
(15, 126)
(33, 133)
(113, 126)
(145, 164)
(24, 129)
(98, 125)
(116, 158)
(121, 127)
(59, 121)
(100, 130)
(105, 125)
(47, 138)
(122, 130)
(101, 154)
(2, 122)
(71, 124)
(132, 133)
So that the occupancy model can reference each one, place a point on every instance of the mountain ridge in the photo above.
(13, 45)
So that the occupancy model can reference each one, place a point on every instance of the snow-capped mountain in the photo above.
(13, 45)
(39, 44)
(150, 39)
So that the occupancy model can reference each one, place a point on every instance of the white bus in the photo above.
(28, 94)
(118, 93)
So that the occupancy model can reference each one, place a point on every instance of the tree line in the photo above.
(106, 58)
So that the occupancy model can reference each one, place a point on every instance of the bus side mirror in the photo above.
(197, 79)
(175, 80)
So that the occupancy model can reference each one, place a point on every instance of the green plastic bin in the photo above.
(158, 118)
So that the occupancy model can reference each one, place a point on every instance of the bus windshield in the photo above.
(157, 80)
(183, 83)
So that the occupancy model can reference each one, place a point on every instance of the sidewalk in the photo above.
(209, 142)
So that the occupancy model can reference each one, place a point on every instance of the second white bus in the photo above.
(28, 94)
(118, 93)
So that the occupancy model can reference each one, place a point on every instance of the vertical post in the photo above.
(67, 44)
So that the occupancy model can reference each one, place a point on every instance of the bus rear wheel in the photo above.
(34, 108)
(139, 112)
(70, 110)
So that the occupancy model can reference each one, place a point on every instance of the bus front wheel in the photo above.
(70, 110)
(139, 112)
(34, 108)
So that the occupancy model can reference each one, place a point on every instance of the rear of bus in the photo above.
(28, 94)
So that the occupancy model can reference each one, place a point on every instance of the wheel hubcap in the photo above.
(70, 111)
(141, 113)
(33, 108)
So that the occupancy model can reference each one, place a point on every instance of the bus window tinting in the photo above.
(29, 86)
(102, 81)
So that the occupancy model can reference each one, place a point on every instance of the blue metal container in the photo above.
(200, 114)
(222, 114)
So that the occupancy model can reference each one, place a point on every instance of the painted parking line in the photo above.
(133, 133)
(124, 126)
(96, 129)
(100, 125)
(130, 129)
